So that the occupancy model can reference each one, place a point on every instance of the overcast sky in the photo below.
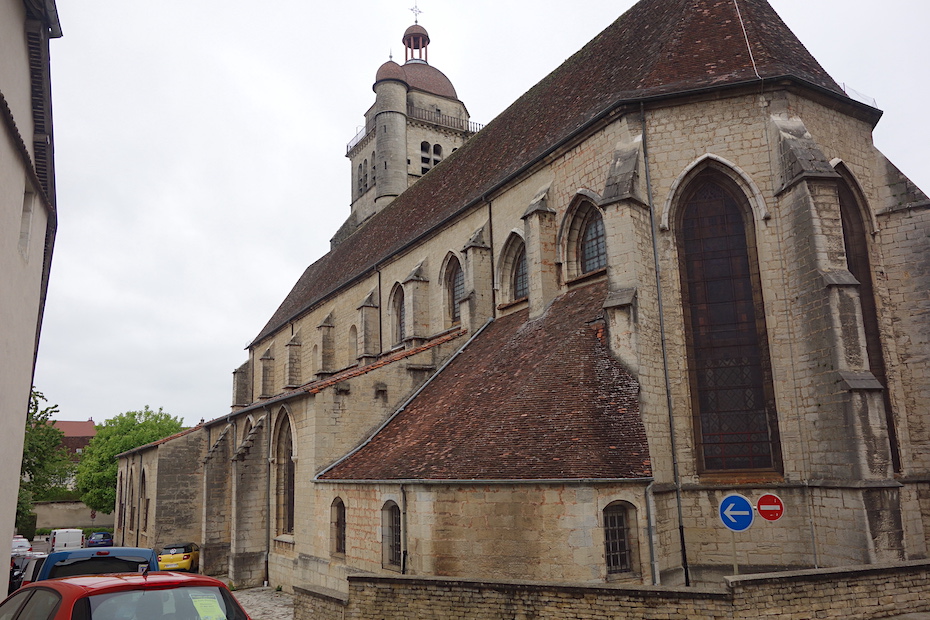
(200, 153)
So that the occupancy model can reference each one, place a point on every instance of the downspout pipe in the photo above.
(662, 337)
(268, 430)
(403, 529)
(651, 533)
(138, 523)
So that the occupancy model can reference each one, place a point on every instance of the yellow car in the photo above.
(182, 556)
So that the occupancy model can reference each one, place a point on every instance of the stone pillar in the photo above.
(541, 233)
(327, 347)
(416, 305)
(626, 229)
(841, 406)
(242, 385)
(478, 304)
(369, 333)
(292, 365)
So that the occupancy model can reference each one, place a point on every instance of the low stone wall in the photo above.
(319, 603)
(859, 593)
(54, 515)
(856, 593)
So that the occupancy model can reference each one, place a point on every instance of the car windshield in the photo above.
(98, 536)
(97, 565)
(184, 603)
(174, 549)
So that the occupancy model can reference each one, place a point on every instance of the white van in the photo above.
(61, 540)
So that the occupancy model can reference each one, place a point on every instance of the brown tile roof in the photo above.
(657, 48)
(83, 428)
(525, 400)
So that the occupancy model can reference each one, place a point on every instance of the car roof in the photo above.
(116, 582)
(95, 551)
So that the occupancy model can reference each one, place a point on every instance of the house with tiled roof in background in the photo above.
(661, 321)
(77, 435)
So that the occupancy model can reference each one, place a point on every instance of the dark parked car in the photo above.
(100, 539)
(97, 561)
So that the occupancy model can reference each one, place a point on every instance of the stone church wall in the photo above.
(177, 507)
(214, 551)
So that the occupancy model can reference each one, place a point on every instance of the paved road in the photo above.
(266, 603)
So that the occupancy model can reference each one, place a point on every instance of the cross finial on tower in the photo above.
(416, 13)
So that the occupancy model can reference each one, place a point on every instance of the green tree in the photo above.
(96, 474)
(46, 463)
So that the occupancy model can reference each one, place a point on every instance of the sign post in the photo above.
(736, 514)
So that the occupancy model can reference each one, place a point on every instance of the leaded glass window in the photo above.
(520, 280)
(593, 249)
(730, 375)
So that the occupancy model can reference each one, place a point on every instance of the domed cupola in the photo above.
(416, 41)
(418, 73)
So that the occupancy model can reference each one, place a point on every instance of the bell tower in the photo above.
(416, 121)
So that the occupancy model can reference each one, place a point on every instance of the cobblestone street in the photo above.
(266, 603)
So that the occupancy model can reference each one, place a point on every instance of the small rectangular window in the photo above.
(616, 540)
(25, 227)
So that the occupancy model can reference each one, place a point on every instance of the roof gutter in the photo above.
(466, 481)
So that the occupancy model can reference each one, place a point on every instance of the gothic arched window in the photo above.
(519, 281)
(398, 310)
(455, 289)
(143, 498)
(586, 241)
(353, 345)
(338, 523)
(733, 404)
(285, 474)
(513, 271)
(390, 536)
(592, 248)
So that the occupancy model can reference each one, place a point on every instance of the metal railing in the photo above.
(443, 120)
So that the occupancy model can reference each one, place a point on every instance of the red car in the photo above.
(173, 596)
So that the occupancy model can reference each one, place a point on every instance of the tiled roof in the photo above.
(83, 428)
(657, 48)
(536, 400)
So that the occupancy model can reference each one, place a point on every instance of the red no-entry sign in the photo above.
(770, 507)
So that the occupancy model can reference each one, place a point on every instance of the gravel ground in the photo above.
(266, 603)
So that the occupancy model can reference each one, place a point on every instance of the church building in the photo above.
(666, 314)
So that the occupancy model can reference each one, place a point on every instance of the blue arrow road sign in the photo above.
(736, 512)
